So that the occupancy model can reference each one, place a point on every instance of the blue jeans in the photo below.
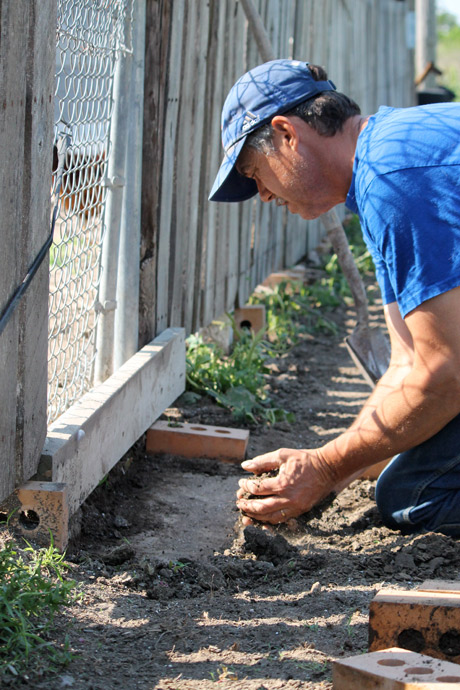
(419, 490)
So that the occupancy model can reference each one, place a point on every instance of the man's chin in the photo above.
(306, 215)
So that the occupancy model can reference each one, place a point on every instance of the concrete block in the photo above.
(42, 508)
(88, 439)
(394, 669)
(198, 441)
(251, 316)
(424, 621)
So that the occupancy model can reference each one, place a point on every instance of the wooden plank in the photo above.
(26, 93)
(183, 229)
(33, 352)
(223, 240)
(197, 180)
(211, 306)
(86, 441)
(14, 26)
(167, 229)
(211, 155)
(158, 27)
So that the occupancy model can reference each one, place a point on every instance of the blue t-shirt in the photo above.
(406, 191)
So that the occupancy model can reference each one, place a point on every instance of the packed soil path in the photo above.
(178, 596)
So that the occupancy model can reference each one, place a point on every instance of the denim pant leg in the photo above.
(419, 490)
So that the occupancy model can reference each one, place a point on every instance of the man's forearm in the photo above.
(404, 410)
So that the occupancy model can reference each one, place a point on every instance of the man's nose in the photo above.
(264, 193)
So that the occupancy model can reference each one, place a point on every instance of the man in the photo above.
(289, 136)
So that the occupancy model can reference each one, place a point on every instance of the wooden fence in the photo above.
(26, 136)
(200, 259)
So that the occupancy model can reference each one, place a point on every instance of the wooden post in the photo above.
(157, 38)
(26, 141)
(425, 49)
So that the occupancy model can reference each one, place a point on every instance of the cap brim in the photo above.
(229, 185)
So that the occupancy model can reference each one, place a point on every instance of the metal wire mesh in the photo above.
(91, 36)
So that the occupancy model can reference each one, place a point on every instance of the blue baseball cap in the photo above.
(265, 91)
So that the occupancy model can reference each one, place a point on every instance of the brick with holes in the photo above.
(252, 317)
(426, 620)
(197, 441)
(43, 512)
(394, 669)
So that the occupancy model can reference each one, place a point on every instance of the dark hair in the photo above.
(326, 113)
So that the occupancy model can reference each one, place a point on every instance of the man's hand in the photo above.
(302, 481)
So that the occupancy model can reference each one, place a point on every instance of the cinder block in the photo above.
(394, 669)
(198, 441)
(251, 316)
(43, 509)
(425, 621)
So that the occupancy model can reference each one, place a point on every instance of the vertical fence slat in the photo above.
(167, 231)
(14, 24)
(158, 29)
(26, 94)
(39, 136)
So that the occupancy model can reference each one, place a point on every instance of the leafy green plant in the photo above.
(32, 590)
(238, 381)
(176, 566)
(235, 381)
(293, 308)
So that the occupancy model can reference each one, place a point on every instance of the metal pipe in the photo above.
(115, 183)
(127, 312)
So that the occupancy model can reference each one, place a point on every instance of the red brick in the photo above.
(424, 621)
(43, 509)
(251, 316)
(198, 441)
(394, 669)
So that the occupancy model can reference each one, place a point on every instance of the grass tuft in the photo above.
(32, 589)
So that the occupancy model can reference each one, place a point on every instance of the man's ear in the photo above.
(285, 131)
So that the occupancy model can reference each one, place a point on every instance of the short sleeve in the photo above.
(411, 226)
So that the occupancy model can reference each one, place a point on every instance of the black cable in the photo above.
(62, 146)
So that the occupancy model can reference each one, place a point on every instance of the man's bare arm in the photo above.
(418, 395)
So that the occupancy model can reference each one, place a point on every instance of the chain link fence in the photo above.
(92, 36)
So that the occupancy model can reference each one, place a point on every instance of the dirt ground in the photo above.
(178, 596)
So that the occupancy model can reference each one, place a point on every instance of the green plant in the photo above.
(295, 308)
(32, 590)
(235, 381)
(176, 566)
(238, 381)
